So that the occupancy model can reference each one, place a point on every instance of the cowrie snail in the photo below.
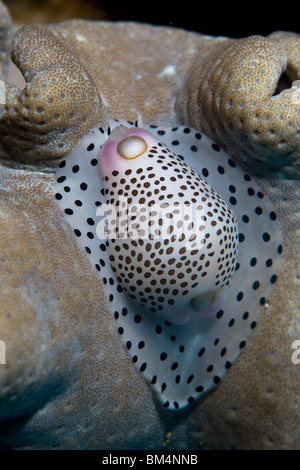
(180, 361)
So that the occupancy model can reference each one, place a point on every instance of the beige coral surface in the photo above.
(68, 382)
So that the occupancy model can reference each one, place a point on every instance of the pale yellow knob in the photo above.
(132, 147)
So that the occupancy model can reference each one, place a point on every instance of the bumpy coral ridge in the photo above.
(225, 87)
(59, 103)
(232, 97)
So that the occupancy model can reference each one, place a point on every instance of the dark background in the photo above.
(219, 18)
(214, 18)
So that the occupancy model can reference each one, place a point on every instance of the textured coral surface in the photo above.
(68, 382)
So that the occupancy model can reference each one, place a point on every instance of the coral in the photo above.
(59, 104)
(68, 381)
(242, 110)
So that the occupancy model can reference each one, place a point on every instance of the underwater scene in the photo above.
(150, 223)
